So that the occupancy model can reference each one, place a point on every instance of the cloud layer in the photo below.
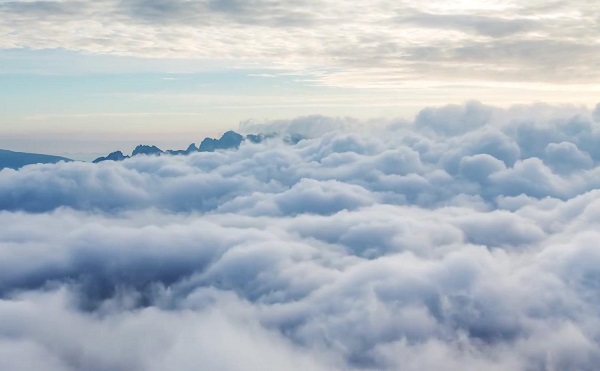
(387, 44)
(466, 239)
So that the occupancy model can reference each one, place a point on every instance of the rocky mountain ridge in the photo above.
(229, 140)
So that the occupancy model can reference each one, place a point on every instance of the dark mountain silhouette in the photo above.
(16, 160)
(113, 156)
(190, 149)
(256, 138)
(146, 150)
(229, 140)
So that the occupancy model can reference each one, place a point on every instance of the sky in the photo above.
(94, 76)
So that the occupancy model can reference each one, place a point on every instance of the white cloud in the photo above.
(387, 44)
(382, 245)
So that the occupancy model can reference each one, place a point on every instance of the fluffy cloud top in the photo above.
(464, 240)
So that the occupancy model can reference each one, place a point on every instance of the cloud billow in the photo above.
(365, 246)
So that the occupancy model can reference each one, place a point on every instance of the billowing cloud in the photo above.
(466, 239)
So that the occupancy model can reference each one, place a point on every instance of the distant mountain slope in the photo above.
(15, 160)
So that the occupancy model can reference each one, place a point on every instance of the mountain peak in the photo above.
(229, 140)
(143, 149)
(113, 156)
(191, 148)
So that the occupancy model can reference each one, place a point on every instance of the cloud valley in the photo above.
(465, 239)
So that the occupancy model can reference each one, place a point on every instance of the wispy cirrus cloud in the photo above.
(409, 41)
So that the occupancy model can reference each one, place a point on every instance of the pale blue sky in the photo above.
(94, 76)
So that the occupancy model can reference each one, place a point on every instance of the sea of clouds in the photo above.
(467, 239)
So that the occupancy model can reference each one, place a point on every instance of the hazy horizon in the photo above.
(158, 71)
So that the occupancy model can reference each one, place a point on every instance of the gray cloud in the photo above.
(400, 245)
(389, 43)
(215, 13)
(485, 25)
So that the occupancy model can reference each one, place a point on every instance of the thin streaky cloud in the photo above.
(515, 42)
